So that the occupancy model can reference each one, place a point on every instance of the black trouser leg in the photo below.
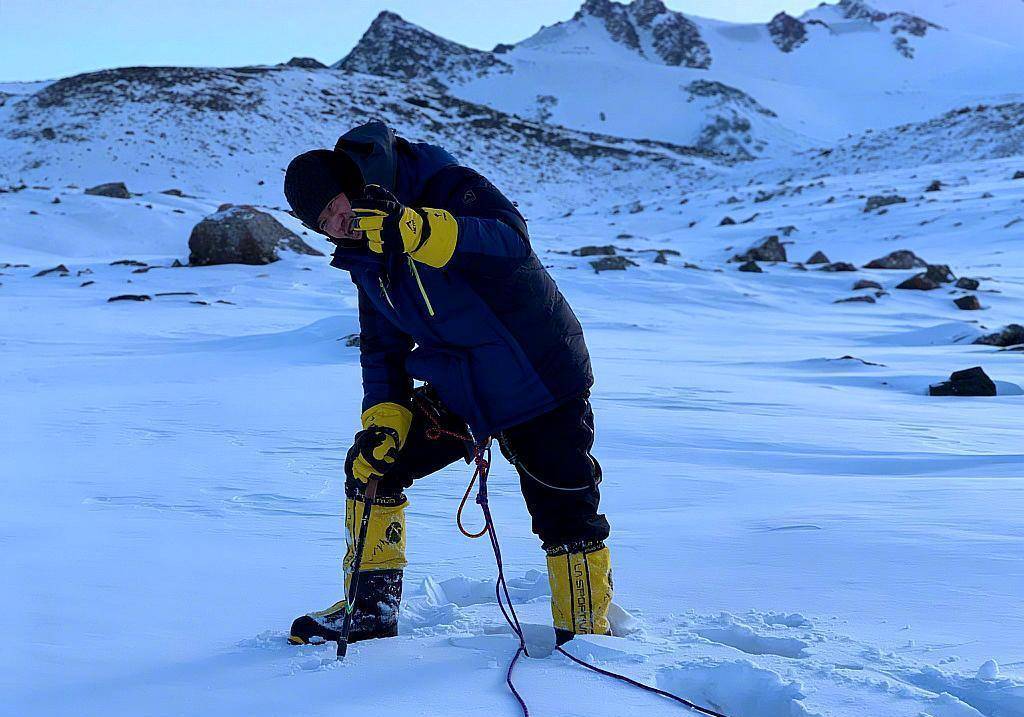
(558, 476)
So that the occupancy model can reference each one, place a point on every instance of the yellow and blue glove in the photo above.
(375, 448)
(427, 235)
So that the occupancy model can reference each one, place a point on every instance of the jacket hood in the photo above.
(372, 147)
(399, 166)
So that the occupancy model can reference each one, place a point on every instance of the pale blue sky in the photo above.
(41, 39)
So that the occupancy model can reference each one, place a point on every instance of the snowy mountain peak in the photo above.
(902, 25)
(394, 47)
(651, 29)
(859, 10)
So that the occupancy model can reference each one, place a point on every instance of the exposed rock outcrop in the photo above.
(306, 63)
(787, 32)
(673, 38)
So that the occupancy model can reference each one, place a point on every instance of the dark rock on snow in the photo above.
(129, 297)
(940, 274)
(612, 263)
(969, 382)
(878, 201)
(838, 266)
(1011, 335)
(727, 222)
(768, 249)
(900, 259)
(752, 267)
(241, 234)
(818, 258)
(664, 254)
(919, 282)
(856, 299)
(352, 340)
(111, 189)
(935, 186)
(965, 283)
(60, 268)
(866, 284)
(968, 303)
(128, 262)
(1018, 175)
(593, 250)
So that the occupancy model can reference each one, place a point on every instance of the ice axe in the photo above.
(357, 559)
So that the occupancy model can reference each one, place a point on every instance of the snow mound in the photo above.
(739, 689)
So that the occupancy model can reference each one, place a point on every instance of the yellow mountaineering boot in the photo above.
(581, 589)
(380, 582)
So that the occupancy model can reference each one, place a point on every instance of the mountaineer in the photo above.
(450, 292)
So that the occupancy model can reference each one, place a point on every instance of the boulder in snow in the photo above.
(241, 234)
(1011, 335)
(935, 186)
(838, 266)
(899, 259)
(111, 189)
(818, 257)
(966, 283)
(969, 382)
(940, 274)
(968, 303)
(866, 284)
(919, 282)
(612, 263)
(768, 249)
(593, 250)
(752, 267)
(59, 269)
(863, 298)
(879, 200)
(129, 297)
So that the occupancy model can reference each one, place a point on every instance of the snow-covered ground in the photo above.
(794, 532)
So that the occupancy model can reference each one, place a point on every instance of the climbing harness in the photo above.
(482, 460)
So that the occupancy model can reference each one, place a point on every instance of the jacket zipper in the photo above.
(387, 296)
(423, 292)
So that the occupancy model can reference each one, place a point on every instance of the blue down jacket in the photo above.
(502, 345)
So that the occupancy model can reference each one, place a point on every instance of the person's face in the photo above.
(336, 219)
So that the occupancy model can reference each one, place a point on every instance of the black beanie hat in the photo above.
(314, 178)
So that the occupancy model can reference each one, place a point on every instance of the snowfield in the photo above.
(798, 528)
(794, 532)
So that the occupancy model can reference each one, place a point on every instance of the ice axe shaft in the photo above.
(357, 560)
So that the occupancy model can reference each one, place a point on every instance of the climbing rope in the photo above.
(482, 459)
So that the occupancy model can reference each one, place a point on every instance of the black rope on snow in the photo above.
(501, 590)
(482, 458)
(641, 685)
